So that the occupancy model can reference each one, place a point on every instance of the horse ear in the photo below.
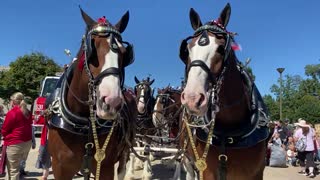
(87, 19)
(136, 80)
(195, 19)
(122, 24)
(151, 82)
(225, 15)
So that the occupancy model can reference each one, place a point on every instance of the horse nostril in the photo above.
(201, 99)
(182, 96)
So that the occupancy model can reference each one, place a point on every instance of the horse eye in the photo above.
(219, 36)
(220, 50)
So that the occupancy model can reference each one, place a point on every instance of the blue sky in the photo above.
(273, 33)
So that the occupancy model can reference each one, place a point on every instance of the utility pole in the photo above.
(280, 70)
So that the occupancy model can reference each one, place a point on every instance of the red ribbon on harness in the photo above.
(81, 61)
(234, 46)
(102, 20)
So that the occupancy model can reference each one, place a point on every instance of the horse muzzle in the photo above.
(108, 108)
(195, 103)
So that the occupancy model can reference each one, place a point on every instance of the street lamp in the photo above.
(67, 52)
(280, 70)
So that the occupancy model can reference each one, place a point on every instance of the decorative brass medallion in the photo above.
(100, 155)
(201, 164)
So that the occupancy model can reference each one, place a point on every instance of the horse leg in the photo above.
(259, 176)
(122, 165)
(138, 163)
(107, 173)
(60, 172)
(151, 155)
(177, 172)
(131, 165)
(147, 169)
(189, 169)
(65, 161)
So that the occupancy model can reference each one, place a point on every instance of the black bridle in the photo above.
(147, 97)
(215, 29)
(102, 31)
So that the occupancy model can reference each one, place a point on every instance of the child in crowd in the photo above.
(291, 155)
(276, 140)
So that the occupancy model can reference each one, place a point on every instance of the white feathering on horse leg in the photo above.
(131, 166)
(147, 169)
(177, 172)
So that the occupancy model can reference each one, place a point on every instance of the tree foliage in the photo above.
(300, 97)
(25, 75)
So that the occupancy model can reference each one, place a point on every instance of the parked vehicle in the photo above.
(47, 87)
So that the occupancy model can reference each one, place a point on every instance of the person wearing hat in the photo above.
(304, 131)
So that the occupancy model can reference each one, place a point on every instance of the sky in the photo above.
(273, 33)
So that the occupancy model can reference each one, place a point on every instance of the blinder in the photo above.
(106, 31)
(184, 52)
(129, 54)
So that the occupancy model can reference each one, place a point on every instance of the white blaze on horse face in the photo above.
(157, 116)
(109, 88)
(195, 96)
(141, 103)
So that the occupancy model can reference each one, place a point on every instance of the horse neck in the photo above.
(79, 88)
(233, 98)
(176, 104)
(150, 104)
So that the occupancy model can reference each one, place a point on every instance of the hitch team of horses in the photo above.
(215, 125)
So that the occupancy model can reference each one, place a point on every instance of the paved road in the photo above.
(162, 172)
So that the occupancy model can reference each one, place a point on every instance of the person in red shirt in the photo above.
(17, 134)
(44, 159)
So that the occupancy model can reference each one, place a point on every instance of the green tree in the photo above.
(249, 70)
(309, 108)
(273, 107)
(26, 73)
(300, 96)
(313, 70)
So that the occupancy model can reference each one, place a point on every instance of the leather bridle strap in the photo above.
(203, 66)
(223, 158)
(110, 71)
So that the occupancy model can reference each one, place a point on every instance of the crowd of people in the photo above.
(295, 144)
(18, 138)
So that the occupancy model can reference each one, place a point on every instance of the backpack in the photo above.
(301, 144)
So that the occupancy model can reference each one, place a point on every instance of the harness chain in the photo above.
(200, 163)
(100, 152)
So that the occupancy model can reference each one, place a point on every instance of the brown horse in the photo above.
(224, 115)
(92, 118)
(167, 112)
(145, 102)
